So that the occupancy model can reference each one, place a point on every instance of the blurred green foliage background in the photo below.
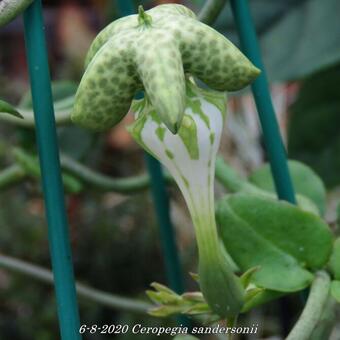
(115, 237)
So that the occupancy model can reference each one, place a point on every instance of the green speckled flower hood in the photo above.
(153, 51)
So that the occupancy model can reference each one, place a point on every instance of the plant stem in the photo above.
(211, 10)
(95, 295)
(325, 325)
(224, 174)
(30, 166)
(62, 118)
(128, 185)
(314, 307)
(11, 175)
(125, 185)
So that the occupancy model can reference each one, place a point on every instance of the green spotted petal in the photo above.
(119, 25)
(169, 9)
(10, 9)
(158, 13)
(210, 56)
(161, 70)
(107, 87)
(156, 49)
(215, 60)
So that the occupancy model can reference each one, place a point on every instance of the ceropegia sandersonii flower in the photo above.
(152, 51)
(155, 51)
(190, 158)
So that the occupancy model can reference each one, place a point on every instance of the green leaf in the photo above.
(334, 261)
(8, 108)
(306, 182)
(185, 337)
(335, 290)
(313, 135)
(280, 238)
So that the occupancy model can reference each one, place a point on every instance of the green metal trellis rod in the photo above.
(271, 134)
(161, 202)
(51, 175)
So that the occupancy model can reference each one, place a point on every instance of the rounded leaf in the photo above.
(283, 240)
(306, 182)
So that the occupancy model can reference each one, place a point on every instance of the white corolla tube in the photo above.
(190, 157)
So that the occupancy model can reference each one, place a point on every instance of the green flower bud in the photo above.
(190, 158)
(153, 51)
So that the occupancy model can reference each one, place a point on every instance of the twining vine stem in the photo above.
(98, 296)
(313, 309)
(127, 185)
(211, 10)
